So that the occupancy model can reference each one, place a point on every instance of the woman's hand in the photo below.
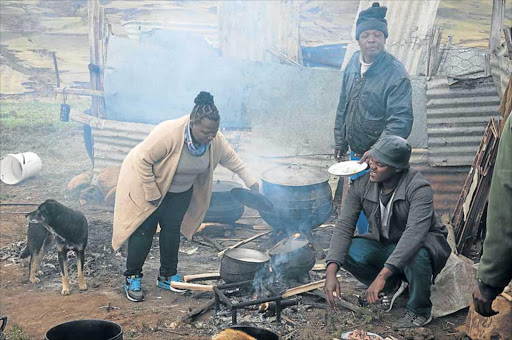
(483, 306)
(255, 187)
(332, 285)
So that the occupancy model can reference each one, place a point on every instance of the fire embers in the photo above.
(269, 309)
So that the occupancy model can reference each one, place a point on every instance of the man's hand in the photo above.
(255, 187)
(332, 285)
(372, 294)
(365, 157)
(154, 202)
(483, 306)
(339, 155)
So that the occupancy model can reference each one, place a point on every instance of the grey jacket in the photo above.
(379, 103)
(413, 225)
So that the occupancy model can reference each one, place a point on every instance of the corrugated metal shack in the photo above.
(277, 111)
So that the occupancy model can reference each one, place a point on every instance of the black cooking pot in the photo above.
(294, 198)
(85, 330)
(292, 258)
(241, 264)
(224, 208)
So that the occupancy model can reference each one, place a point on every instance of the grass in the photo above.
(16, 333)
(35, 113)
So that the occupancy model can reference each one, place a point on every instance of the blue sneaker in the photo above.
(133, 288)
(165, 283)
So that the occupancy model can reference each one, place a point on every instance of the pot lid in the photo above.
(252, 199)
(287, 246)
(247, 255)
(295, 175)
(224, 186)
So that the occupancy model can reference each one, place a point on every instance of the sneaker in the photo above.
(412, 320)
(165, 283)
(388, 300)
(133, 288)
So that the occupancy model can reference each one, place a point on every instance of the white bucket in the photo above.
(14, 168)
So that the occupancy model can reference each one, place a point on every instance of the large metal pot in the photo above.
(295, 198)
(292, 258)
(242, 264)
(85, 329)
(224, 208)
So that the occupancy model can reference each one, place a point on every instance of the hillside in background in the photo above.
(31, 30)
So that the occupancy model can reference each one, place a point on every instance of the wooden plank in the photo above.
(192, 286)
(244, 242)
(507, 31)
(204, 276)
(303, 289)
(498, 12)
(56, 67)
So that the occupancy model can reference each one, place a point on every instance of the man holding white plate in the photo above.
(405, 241)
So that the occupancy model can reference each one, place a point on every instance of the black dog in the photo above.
(68, 227)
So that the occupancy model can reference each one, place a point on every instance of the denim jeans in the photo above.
(362, 224)
(169, 215)
(366, 258)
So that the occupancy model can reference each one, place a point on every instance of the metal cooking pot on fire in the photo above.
(294, 197)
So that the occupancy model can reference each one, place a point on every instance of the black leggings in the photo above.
(169, 215)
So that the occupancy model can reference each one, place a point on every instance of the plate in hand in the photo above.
(347, 168)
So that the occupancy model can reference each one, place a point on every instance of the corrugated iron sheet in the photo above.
(457, 113)
(409, 24)
(447, 182)
(501, 70)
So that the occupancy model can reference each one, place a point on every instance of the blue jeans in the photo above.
(362, 224)
(366, 258)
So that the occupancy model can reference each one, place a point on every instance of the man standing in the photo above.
(376, 93)
(495, 268)
(405, 237)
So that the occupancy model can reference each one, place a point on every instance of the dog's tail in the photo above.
(25, 253)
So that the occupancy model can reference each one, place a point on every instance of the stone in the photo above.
(107, 179)
(79, 182)
(497, 327)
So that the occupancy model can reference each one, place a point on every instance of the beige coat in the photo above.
(147, 172)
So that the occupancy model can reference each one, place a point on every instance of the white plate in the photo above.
(347, 334)
(348, 168)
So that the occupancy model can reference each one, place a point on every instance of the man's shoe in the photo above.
(412, 320)
(388, 300)
(165, 283)
(133, 288)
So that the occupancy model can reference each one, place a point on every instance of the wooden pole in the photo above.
(498, 12)
(244, 242)
(98, 34)
(56, 68)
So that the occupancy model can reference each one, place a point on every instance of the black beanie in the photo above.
(372, 18)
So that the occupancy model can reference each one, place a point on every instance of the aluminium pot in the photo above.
(301, 196)
(224, 208)
(242, 264)
(292, 258)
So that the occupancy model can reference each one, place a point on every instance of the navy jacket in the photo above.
(379, 103)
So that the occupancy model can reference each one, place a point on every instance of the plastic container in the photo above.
(15, 168)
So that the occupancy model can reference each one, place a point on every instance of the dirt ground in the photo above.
(35, 308)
